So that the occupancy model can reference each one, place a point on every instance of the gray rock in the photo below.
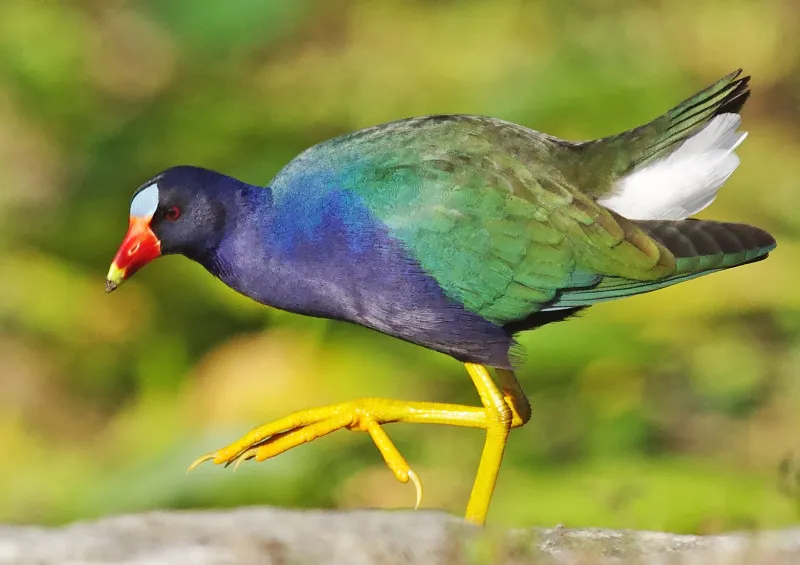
(266, 536)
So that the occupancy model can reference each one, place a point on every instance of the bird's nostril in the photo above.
(133, 249)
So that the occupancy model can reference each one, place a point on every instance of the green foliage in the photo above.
(672, 410)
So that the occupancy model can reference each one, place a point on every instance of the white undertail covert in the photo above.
(684, 182)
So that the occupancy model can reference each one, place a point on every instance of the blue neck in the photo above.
(301, 254)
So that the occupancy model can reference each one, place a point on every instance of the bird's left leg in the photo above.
(506, 408)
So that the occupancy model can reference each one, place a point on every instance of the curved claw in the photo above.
(418, 485)
(202, 459)
(232, 460)
(244, 456)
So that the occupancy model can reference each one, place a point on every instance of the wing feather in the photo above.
(500, 232)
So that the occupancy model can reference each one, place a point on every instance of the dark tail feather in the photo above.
(700, 247)
(629, 150)
(727, 95)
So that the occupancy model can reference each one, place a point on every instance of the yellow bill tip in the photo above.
(114, 278)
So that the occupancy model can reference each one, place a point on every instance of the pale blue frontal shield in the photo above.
(145, 202)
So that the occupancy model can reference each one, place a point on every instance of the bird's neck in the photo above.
(239, 236)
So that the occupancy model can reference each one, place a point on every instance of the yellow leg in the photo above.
(500, 412)
(504, 410)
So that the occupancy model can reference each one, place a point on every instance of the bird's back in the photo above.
(448, 140)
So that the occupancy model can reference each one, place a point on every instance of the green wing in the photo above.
(700, 248)
(482, 206)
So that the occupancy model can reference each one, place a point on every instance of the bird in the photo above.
(456, 233)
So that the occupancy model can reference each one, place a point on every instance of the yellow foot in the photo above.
(500, 412)
(366, 414)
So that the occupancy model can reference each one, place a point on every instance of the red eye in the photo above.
(173, 214)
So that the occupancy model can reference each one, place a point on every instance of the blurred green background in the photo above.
(675, 410)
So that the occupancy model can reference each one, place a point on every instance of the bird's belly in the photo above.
(391, 295)
(357, 273)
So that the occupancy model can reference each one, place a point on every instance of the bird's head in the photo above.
(181, 210)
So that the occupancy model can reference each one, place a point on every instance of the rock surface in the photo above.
(266, 536)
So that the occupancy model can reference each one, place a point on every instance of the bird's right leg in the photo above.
(364, 414)
(504, 407)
